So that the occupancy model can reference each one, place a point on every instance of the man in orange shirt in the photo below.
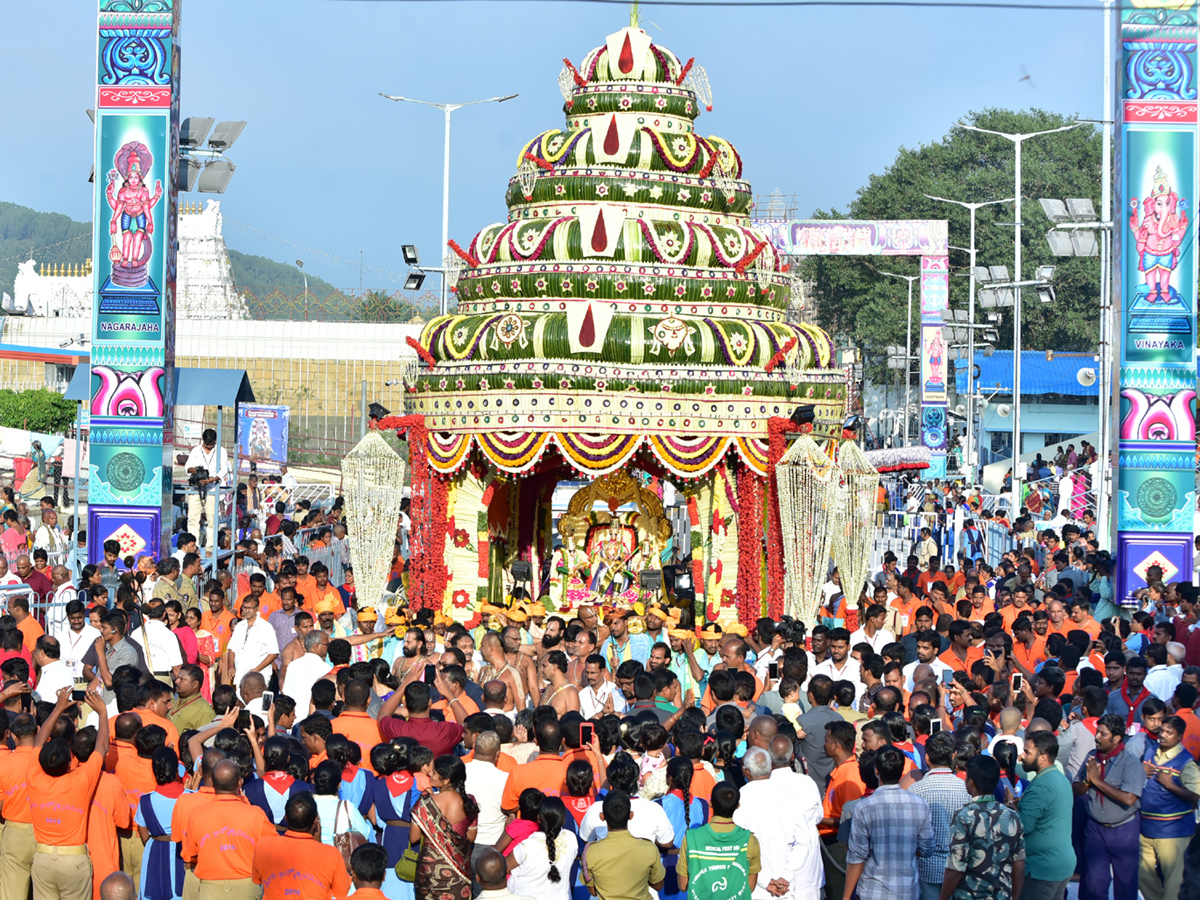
(124, 728)
(1029, 650)
(154, 705)
(319, 588)
(184, 807)
(355, 723)
(296, 864)
(135, 771)
(18, 608)
(369, 864)
(546, 771)
(960, 655)
(1059, 622)
(306, 584)
(16, 844)
(845, 784)
(1019, 607)
(1081, 619)
(267, 602)
(60, 798)
(733, 658)
(109, 812)
(218, 621)
(220, 837)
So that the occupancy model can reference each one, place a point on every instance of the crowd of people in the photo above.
(951, 732)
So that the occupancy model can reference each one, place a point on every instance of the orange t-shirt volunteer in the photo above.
(59, 807)
(184, 807)
(219, 626)
(360, 728)
(14, 785)
(136, 776)
(546, 773)
(116, 751)
(845, 784)
(296, 865)
(958, 665)
(220, 837)
(30, 632)
(108, 813)
(1030, 657)
(267, 604)
(702, 782)
(708, 704)
(149, 717)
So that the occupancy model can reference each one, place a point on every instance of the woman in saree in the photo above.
(444, 823)
(206, 649)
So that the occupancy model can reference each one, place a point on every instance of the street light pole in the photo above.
(300, 263)
(447, 109)
(1018, 140)
(907, 352)
(972, 207)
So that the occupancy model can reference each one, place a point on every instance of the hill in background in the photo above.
(52, 238)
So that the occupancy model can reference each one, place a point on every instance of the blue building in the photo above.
(1055, 407)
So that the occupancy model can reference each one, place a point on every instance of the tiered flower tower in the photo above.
(626, 316)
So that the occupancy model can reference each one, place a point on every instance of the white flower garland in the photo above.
(373, 479)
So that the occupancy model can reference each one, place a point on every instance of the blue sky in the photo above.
(815, 100)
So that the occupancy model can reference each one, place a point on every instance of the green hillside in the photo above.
(51, 238)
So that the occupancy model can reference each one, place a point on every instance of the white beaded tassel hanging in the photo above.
(373, 480)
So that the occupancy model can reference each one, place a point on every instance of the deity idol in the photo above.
(935, 359)
(1159, 236)
(131, 203)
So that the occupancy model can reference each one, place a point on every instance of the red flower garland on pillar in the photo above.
(777, 428)
(427, 575)
(749, 576)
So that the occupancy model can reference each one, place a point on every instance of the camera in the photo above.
(198, 479)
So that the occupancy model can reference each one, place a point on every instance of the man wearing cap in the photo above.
(621, 646)
(328, 610)
(708, 655)
(683, 661)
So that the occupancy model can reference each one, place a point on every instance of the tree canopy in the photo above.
(857, 304)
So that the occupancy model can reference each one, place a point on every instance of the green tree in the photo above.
(37, 410)
(853, 301)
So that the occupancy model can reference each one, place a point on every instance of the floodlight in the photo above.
(215, 177)
(1045, 293)
(410, 254)
(1082, 210)
(1061, 243)
(225, 134)
(987, 298)
(802, 415)
(981, 274)
(1084, 242)
(999, 273)
(193, 131)
(991, 334)
(893, 350)
(189, 171)
(522, 570)
(91, 114)
(650, 580)
(1045, 273)
(377, 411)
(1055, 210)
(988, 350)
(414, 281)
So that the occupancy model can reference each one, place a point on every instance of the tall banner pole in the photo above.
(134, 252)
(935, 299)
(1154, 281)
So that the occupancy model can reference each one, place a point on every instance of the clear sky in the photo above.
(816, 100)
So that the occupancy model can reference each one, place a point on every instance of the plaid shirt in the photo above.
(946, 794)
(890, 827)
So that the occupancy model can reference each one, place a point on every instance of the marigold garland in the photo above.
(462, 254)
(426, 356)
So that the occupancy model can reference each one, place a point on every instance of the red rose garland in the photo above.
(749, 578)
(777, 428)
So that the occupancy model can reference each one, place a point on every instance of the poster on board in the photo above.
(262, 437)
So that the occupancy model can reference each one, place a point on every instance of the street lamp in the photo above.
(447, 109)
(1074, 234)
(300, 263)
(1018, 140)
(908, 357)
(217, 170)
(999, 291)
(972, 207)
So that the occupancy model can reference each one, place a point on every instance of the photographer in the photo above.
(206, 465)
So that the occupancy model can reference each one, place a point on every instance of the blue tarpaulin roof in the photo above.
(193, 387)
(1038, 374)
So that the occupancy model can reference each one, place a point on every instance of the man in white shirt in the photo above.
(7, 577)
(53, 672)
(1161, 681)
(600, 696)
(48, 537)
(872, 631)
(64, 593)
(159, 645)
(75, 637)
(840, 666)
(207, 455)
(831, 588)
(929, 646)
(485, 782)
(647, 820)
(253, 646)
(302, 673)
